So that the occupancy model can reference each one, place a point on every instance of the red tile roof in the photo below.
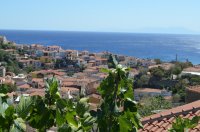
(162, 121)
(148, 90)
(192, 69)
(66, 89)
(194, 88)
(34, 91)
(65, 84)
(37, 80)
(25, 86)
(42, 94)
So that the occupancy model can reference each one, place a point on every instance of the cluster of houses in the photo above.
(43, 59)
(45, 56)
(86, 81)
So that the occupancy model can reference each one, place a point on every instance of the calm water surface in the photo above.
(163, 46)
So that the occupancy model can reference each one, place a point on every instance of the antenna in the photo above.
(176, 57)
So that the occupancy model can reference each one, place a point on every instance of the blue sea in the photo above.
(163, 46)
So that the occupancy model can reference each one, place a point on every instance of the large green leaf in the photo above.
(59, 118)
(124, 124)
(61, 103)
(53, 87)
(24, 106)
(82, 107)
(70, 117)
(87, 122)
(3, 108)
(65, 128)
(9, 112)
(130, 105)
(18, 126)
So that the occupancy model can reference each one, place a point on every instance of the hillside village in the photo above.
(24, 69)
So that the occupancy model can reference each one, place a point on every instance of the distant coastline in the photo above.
(163, 46)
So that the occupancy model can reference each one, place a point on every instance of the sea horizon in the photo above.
(140, 45)
(88, 31)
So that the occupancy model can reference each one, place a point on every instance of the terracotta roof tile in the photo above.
(194, 88)
(25, 86)
(66, 89)
(192, 69)
(38, 93)
(162, 121)
(65, 84)
(147, 90)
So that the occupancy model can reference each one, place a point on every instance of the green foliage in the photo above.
(192, 79)
(157, 72)
(7, 88)
(176, 70)
(9, 120)
(179, 88)
(10, 61)
(8, 45)
(150, 104)
(183, 65)
(118, 111)
(143, 81)
(24, 106)
(182, 125)
(66, 114)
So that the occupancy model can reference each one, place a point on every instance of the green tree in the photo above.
(118, 110)
(157, 72)
(179, 88)
(176, 70)
(143, 81)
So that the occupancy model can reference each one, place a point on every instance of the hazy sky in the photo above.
(165, 16)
